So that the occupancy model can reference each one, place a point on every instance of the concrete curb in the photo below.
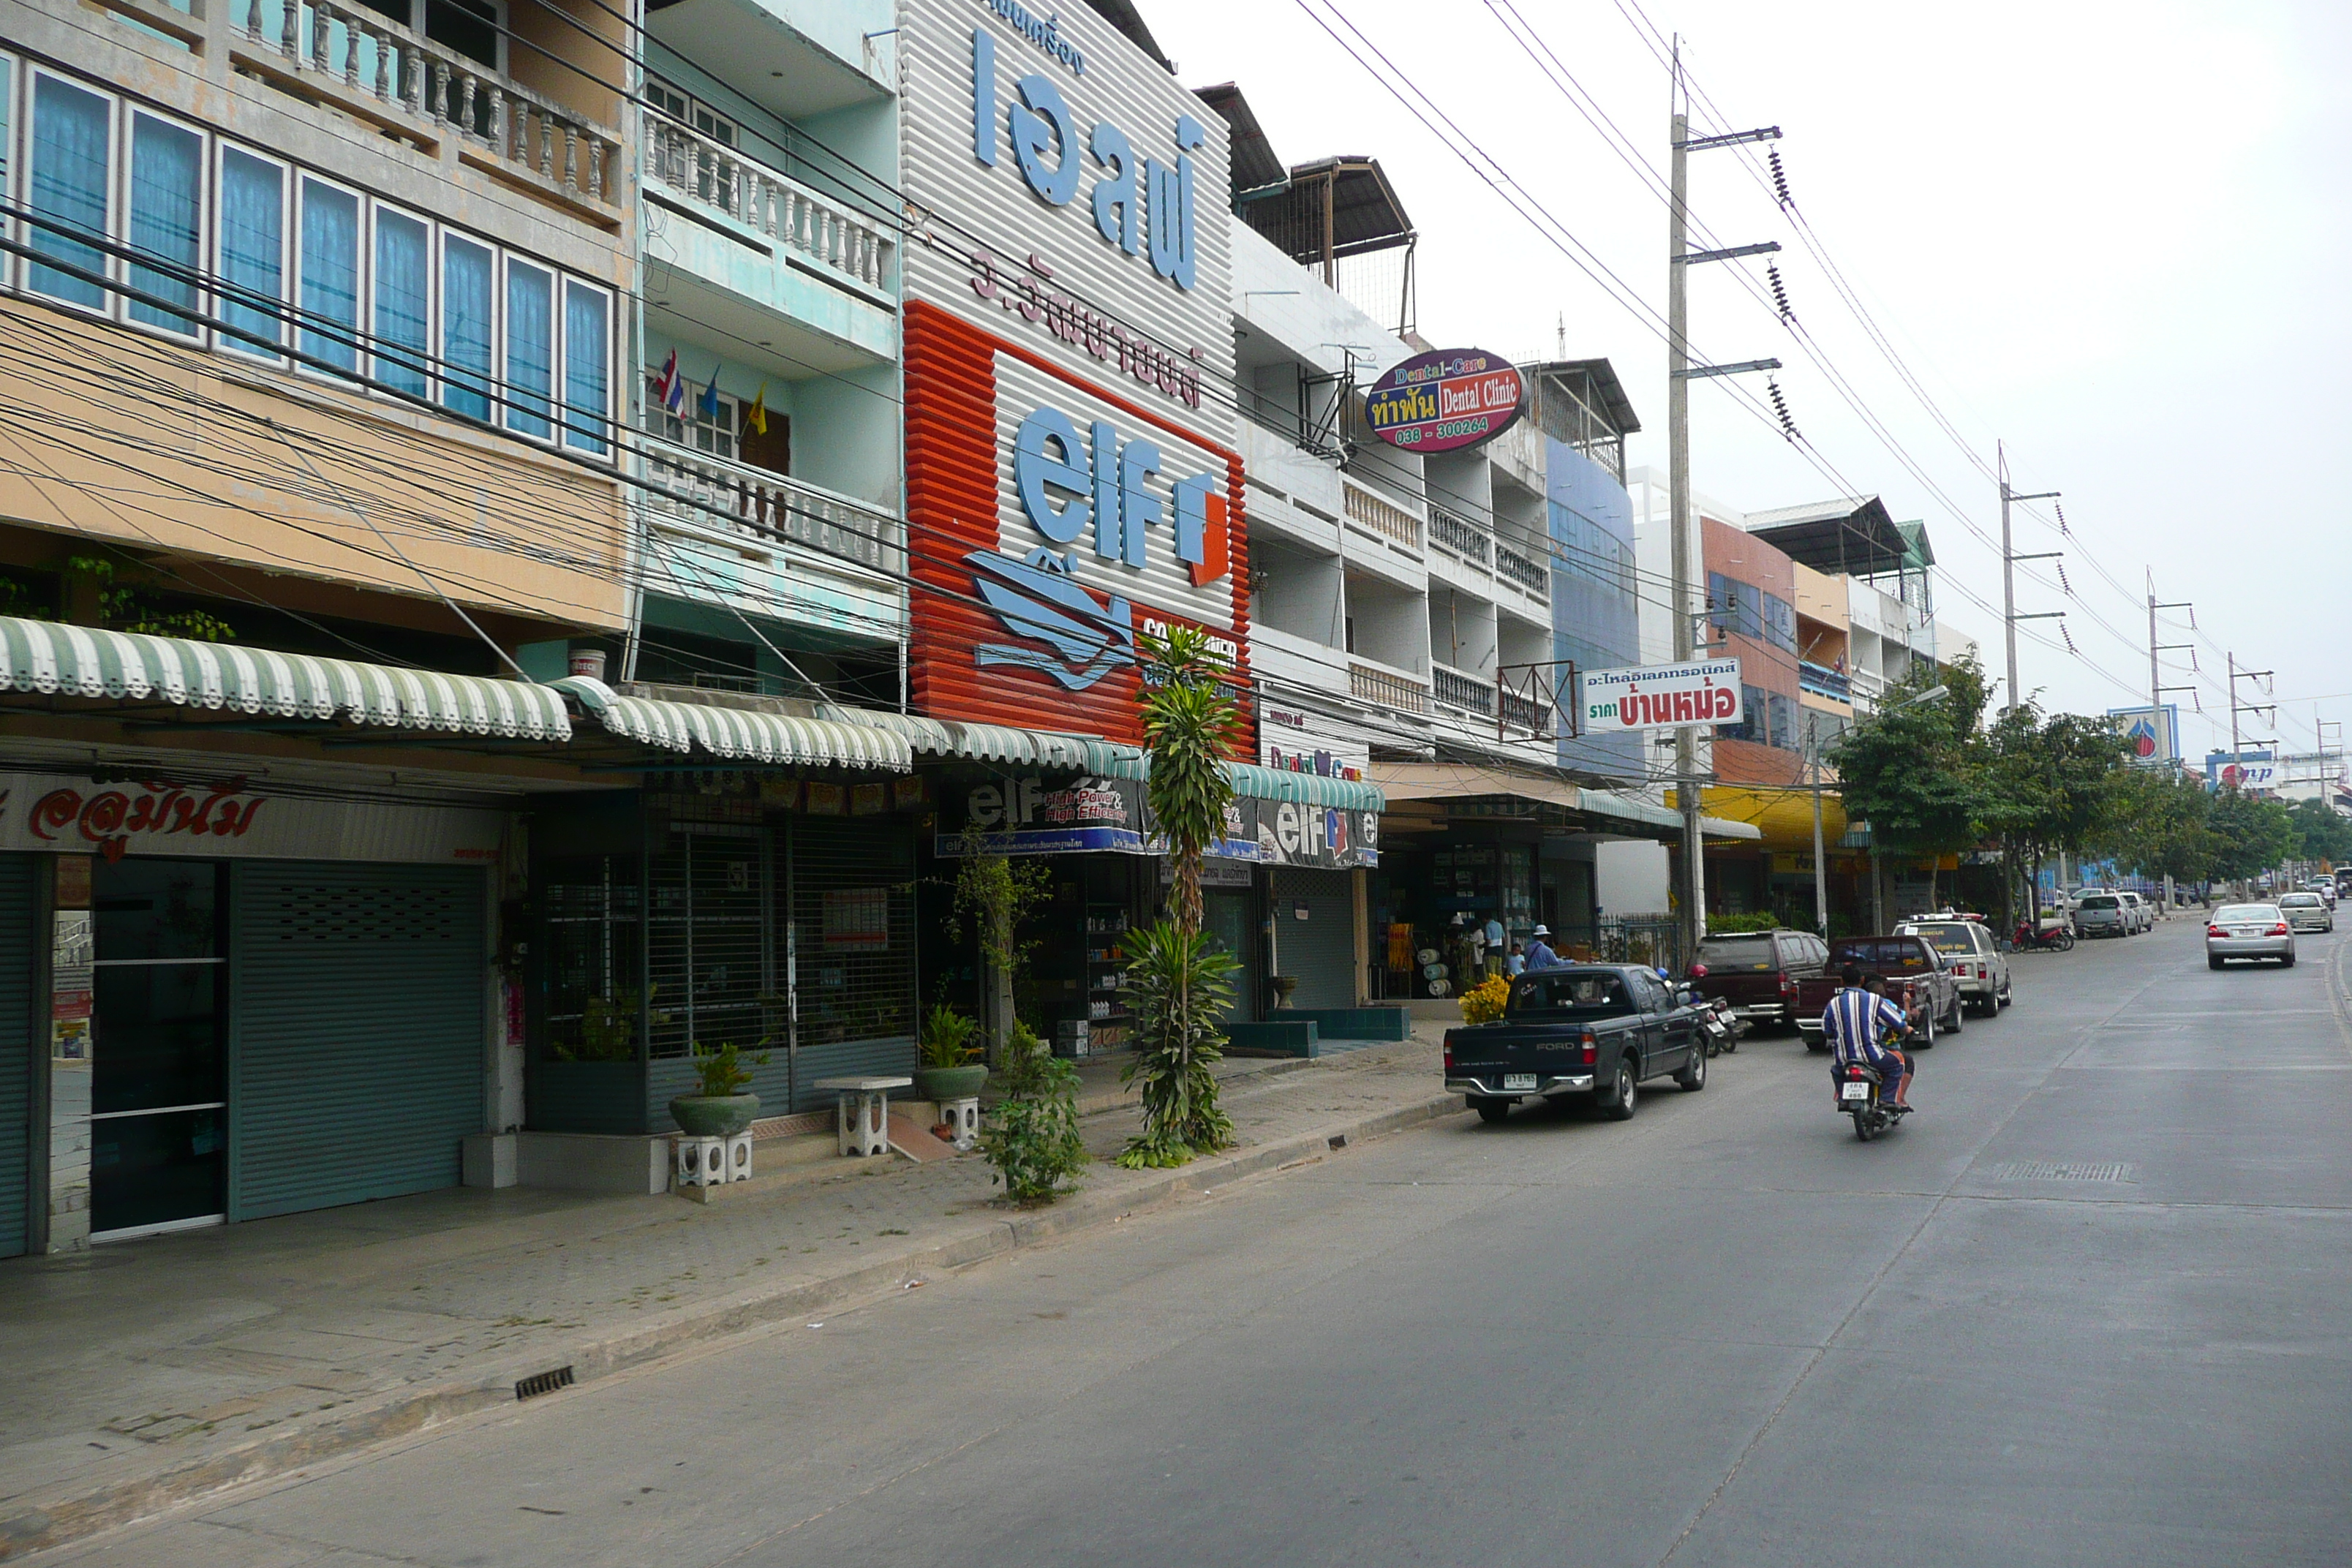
(35, 1523)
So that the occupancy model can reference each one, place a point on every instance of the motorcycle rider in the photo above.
(1859, 1018)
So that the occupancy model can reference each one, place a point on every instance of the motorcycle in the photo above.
(2054, 934)
(1858, 1097)
(1721, 1029)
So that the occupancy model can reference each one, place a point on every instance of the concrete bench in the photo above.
(862, 1118)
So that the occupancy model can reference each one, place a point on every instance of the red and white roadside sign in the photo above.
(1662, 697)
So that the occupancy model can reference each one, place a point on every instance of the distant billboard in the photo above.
(1446, 400)
(1660, 697)
(2251, 773)
(2154, 732)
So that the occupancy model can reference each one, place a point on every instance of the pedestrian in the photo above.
(1494, 947)
(1515, 964)
(1539, 952)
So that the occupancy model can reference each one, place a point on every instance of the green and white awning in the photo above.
(1250, 782)
(974, 742)
(734, 735)
(60, 660)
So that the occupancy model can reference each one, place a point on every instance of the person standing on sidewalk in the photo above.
(1497, 946)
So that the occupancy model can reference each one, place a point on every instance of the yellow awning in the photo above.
(1784, 818)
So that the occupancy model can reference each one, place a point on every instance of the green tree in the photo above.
(2051, 782)
(2321, 833)
(2156, 825)
(2254, 834)
(1179, 983)
(1916, 773)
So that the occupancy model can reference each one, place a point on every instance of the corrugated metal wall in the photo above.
(1321, 949)
(16, 1056)
(356, 1031)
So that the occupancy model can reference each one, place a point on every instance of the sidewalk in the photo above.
(144, 1375)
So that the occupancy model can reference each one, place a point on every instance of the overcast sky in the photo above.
(2111, 235)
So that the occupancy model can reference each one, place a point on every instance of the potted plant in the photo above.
(721, 1108)
(948, 1057)
(1284, 986)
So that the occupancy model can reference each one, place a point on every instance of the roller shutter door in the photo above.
(357, 1031)
(16, 1051)
(1321, 949)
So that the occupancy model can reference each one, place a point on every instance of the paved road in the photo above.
(1725, 1332)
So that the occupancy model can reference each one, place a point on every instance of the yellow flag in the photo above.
(756, 417)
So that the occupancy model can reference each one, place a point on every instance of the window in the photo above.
(252, 253)
(690, 426)
(8, 141)
(404, 301)
(587, 372)
(331, 274)
(167, 202)
(72, 151)
(1784, 723)
(467, 304)
(531, 347)
(1779, 622)
(684, 106)
(1734, 607)
(1755, 718)
(470, 27)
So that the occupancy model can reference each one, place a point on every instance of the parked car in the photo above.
(1976, 962)
(2140, 916)
(2102, 914)
(1580, 1029)
(1758, 973)
(1917, 976)
(2307, 911)
(2249, 930)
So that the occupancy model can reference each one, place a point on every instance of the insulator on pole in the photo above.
(1779, 176)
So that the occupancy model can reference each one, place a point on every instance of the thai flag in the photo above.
(671, 388)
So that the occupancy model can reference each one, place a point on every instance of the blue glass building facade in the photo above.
(1595, 609)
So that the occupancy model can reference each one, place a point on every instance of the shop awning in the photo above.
(1249, 781)
(1464, 781)
(1784, 819)
(736, 735)
(978, 742)
(60, 660)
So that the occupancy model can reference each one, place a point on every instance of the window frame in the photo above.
(377, 383)
(288, 173)
(127, 143)
(565, 435)
(512, 405)
(28, 105)
(361, 236)
(11, 125)
(448, 375)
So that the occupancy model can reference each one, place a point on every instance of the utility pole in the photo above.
(2156, 690)
(2009, 560)
(2237, 746)
(1820, 867)
(1680, 373)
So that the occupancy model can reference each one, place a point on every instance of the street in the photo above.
(2092, 1305)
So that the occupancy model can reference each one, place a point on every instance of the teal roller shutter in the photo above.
(15, 1049)
(1321, 949)
(356, 1029)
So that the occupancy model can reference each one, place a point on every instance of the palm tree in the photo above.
(1188, 718)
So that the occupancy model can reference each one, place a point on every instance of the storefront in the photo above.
(256, 1000)
(772, 912)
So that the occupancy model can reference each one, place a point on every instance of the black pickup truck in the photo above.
(1581, 1029)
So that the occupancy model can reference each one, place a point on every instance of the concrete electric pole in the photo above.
(2009, 560)
(1680, 373)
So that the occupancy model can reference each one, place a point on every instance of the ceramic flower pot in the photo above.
(943, 1084)
(714, 1115)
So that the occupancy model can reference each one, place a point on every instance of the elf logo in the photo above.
(1071, 486)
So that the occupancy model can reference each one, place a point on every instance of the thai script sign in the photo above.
(1446, 400)
(1666, 697)
(114, 816)
(111, 818)
(1028, 292)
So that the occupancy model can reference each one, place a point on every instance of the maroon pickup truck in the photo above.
(1917, 976)
(1760, 973)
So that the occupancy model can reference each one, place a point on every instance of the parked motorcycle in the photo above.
(1858, 1097)
(2054, 934)
(1715, 1021)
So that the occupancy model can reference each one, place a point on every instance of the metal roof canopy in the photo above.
(1851, 536)
(1364, 214)
(1591, 387)
(1257, 173)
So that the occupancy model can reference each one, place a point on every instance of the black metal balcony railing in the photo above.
(1524, 713)
(1526, 571)
(1456, 689)
(1462, 538)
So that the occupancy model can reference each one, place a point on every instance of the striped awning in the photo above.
(735, 735)
(1250, 782)
(56, 659)
(975, 743)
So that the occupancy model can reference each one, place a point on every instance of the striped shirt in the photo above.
(1856, 1021)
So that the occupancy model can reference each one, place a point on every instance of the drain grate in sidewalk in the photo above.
(2061, 1171)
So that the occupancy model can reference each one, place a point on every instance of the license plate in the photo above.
(1853, 1091)
(1519, 1080)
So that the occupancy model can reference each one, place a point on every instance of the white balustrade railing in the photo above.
(1524, 570)
(1461, 536)
(385, 66)
(1459, 688)
(697, 490)
(710, 174)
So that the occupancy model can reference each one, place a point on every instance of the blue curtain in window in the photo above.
(330, 275)
(530, 349)
(252, 251)
(403, 292)
(466, 303)
(587, 370)
(69, 187)
(166, 220)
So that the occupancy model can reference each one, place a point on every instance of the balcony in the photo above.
(725, 533)
(1822, 682)
(358, 61)
(1381, 516)
(1458, 688)
(749, 243)
(1458, 535)
(1386, 687)
(1525, 570)
(1525, 713)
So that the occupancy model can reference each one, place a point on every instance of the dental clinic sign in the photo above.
(1664, 696)
(1069, 490)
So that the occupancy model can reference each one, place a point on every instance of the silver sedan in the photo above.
(2249, 930)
